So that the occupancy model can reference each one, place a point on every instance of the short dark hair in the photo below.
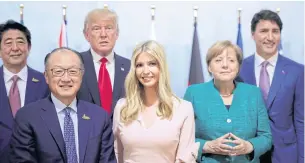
(266, 15)
(13, 25)
(63, 48)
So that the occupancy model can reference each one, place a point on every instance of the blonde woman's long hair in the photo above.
(134, 89)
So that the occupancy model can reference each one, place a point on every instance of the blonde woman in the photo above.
(152, 125)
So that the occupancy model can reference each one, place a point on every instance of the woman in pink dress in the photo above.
(152, 125)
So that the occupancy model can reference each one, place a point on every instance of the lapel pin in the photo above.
(85, 117)
(122, 69)
(35, 80)
(283, 72)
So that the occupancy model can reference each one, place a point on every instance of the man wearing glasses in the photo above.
(62, 128)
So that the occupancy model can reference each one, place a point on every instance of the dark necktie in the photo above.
(69, 137)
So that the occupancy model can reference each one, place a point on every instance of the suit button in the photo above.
(229, 120)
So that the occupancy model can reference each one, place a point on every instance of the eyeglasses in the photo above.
(59, 72)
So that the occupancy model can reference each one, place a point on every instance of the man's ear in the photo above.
(85, 32)
(30, 46)
(252, 35)
(46, 77)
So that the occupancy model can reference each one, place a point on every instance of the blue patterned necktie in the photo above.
(69, 137)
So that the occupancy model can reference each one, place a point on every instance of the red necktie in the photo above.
(104, 84)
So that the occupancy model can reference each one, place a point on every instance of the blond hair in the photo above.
(134, 89)
(217, 48)
(101, 13)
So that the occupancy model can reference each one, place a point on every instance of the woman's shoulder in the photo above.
(182, 105)
(247, 87)
(199, 85)
(119, 105)
(120, 102)
(199, 89)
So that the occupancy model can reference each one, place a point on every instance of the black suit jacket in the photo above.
(36, 89)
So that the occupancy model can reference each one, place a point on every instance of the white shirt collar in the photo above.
(272, 60)
(22, 74)
(97, 58)
(59, 106)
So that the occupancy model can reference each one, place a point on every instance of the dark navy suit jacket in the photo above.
(37, 136)
(89, 90)
(285, 106)
(36, 88)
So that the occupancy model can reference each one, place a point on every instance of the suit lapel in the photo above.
(249, 74)
(6, 116)
(84, 124)
(118, 79)
(49, 115)
(278, 78)
(90, 77)
(31, 86)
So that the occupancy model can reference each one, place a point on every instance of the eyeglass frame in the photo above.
(66, 70)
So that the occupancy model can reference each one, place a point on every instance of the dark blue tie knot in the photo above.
(67, 111)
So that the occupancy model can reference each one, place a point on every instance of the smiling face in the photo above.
(64, 74)
(14, 48)
(225, 66)
(267, 37)
(147, 70)
(101, 32)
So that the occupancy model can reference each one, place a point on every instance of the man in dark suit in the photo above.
(62, 128)
(282, 83)
(19, 84)
(105, 70)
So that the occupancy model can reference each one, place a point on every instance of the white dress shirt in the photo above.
(109, 66)
(21, 83)
(59, 106)
(270, 67)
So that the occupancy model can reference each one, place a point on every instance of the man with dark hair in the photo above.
(282, 85)
(61, 128)
(19, 84)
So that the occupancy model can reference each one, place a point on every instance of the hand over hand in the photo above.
(242, 147)
(219, 146)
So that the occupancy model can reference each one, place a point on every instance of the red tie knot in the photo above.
(104, 60)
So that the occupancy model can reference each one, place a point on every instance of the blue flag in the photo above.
(239, 40)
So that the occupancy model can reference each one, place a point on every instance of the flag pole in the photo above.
(63, 42)
(153, 11)
(21, 13)
(64, 11)
(195, 13)
(278, 10)
(239, 14)
(152, 7)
